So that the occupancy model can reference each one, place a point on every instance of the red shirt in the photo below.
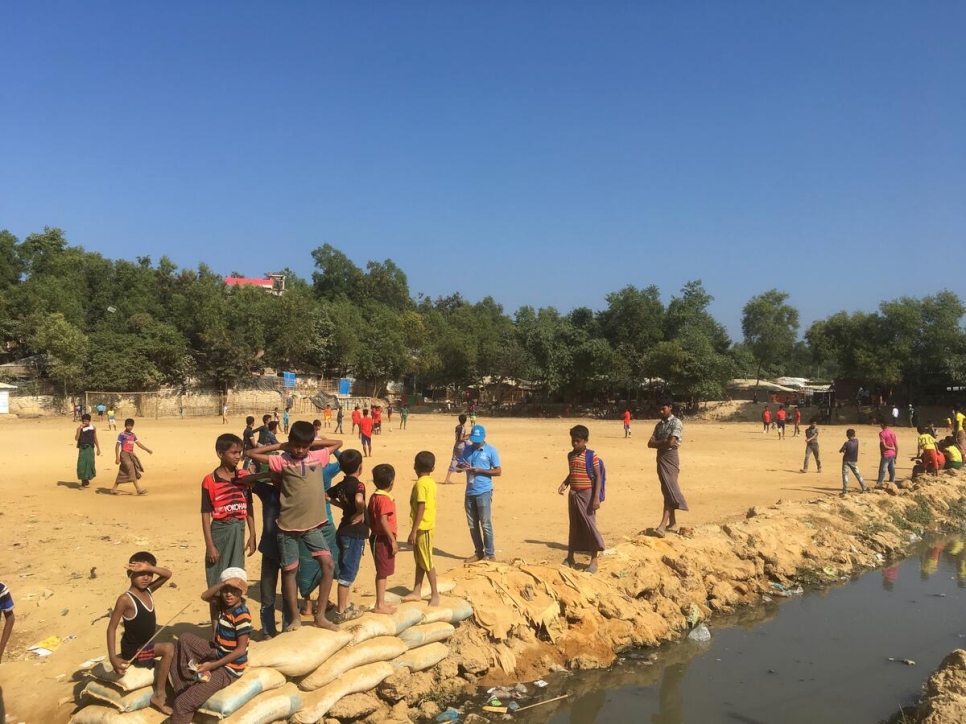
(356, 416)
(365, 426)
(225, 499)
(627, 417)
(781, 415)
(376, 415)
(381, 503)
(766, 416)
(798, 415)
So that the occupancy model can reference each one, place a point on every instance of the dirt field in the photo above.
(53, 534)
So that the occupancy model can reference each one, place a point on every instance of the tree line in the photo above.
(90, 322)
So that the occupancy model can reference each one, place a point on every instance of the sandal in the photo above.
(350, 614)
(569, 562)
(143, 492)
(658, 533)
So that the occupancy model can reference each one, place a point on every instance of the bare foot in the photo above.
(294, 626)
(323, 622)
(386, 608)
(158, 703)
(412, 597)
(434, 601)
(306, 609)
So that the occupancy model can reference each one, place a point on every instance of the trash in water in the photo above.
(829, 571)
(512, 706)
(450, 714)
(520, 689)
(540, 684)
(788, 593)
(700, 633)
(694, 615)
(907, 662)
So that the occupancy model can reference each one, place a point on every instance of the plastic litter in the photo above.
(540, 684)
(512, 706)
(700, 633)
(450, 714)
(907, 662)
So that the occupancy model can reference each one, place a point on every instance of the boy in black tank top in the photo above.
(136, 607)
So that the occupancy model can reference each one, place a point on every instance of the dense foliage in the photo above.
(93, 323)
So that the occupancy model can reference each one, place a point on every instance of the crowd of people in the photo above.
(301, 543)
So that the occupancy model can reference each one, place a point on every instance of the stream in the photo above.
(823, 656)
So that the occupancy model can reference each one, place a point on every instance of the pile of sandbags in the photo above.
(299, 675)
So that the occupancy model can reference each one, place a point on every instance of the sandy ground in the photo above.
(53, 534)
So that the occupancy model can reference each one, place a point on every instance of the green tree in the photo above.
(770, 327)
(62, 348)
(337, 275)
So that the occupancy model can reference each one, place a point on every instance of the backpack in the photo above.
(591, 472)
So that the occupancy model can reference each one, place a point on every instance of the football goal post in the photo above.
(124, 404)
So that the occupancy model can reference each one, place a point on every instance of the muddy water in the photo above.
(819, 657)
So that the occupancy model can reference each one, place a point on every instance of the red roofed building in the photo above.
(274, 284)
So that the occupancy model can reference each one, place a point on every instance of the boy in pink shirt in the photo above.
(888, 450)
(298, 473)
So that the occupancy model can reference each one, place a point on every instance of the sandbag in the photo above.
(450, 610)
(371, 625)
(269, 706)
(120, 700)
(316, 704)
(423, 657)
(136, 677)
(427, 633)
(425, 591)
(296, 653)
(96, 714)
(381, 648)
(252, 683)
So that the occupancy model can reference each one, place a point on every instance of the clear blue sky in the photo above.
(544, 153)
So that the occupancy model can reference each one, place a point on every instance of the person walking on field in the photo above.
(780, 417)
(627, 423)
(130, 468)
(798, 422)
(86, 437)
(895, 416)
(811, 446)
(667, 437)
(766, 419)
(850, 461)
(888, 452)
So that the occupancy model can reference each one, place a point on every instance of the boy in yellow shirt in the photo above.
(422, 517)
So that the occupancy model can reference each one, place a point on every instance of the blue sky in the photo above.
(544, 153)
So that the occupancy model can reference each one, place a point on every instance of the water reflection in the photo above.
(825, 658)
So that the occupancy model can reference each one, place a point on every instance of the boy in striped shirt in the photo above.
(201, 667)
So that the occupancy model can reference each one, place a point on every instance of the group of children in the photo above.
(129, 465)
(777, 422)
(293, 480)
(932, 454)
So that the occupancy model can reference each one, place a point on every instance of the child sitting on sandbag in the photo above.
(202, 667)
(136, 608)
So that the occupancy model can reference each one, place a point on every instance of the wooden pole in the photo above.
(541, 703)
